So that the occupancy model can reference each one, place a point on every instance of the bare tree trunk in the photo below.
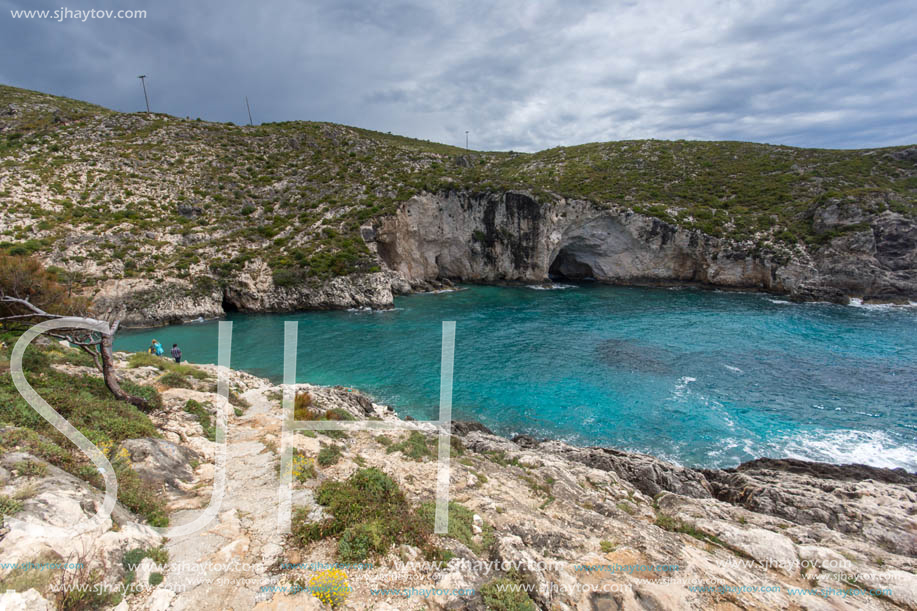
(104, 359)
(111, 378)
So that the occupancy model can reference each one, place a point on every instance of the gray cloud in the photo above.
(517, 74)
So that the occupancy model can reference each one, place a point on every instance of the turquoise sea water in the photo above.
(704, 378)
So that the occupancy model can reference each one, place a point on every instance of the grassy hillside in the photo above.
(121, 195)
(84, 400)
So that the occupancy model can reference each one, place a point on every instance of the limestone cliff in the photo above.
(512, 237)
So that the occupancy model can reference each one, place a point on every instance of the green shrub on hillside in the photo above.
(370, 514)
(203, 417)
(506, 594)
(461, 526)
(172, 379)
(88, 405)
(329, 455)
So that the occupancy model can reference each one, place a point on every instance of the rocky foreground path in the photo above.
(582, 528)
(224, 566)
(228, 564)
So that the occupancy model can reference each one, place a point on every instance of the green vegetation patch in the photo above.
(88, 405)
(132, 559)
(370, 515)
(414, 446)
(202, 414)
(329, 455)
(145, 359)
(461, 526)
(672, 524)
(506, 594)
(418, 446)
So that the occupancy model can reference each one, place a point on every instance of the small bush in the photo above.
(174, 380)
(140, 497)
(30, 468)
(150, 394)
(329, 455)
(505, 594)
(302, 404)
(132, 559)
(461, 526)
(413, 446)
(9, 505)
(370, 513)
(203, 417)
(338, 414)
(78, 590)
(303, 467)
(237, 401)
(360, 541)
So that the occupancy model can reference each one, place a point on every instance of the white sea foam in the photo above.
(199, 320)
(454, 289)
(555, 286)
(733, 368)
(874, 448)
(681, 387)
(780, 301)
(858, 303)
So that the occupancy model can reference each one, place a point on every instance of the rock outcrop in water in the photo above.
(511, 237)
(582, 528)
(141, 302)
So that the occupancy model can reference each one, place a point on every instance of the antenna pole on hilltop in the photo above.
(249, 109)
(142, 78)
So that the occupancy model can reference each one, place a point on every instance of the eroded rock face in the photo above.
(255, 291)
(54, 502)
(879, 505)
(141, 302)
(511, 237)
(144, 303)
(648, 474)
(161, 462)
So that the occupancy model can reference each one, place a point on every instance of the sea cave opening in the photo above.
(228, 305)
(569, 264)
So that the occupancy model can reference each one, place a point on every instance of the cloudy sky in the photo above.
(517, 74)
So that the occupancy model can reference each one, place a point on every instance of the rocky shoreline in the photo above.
(434, 240)
(766, 534)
